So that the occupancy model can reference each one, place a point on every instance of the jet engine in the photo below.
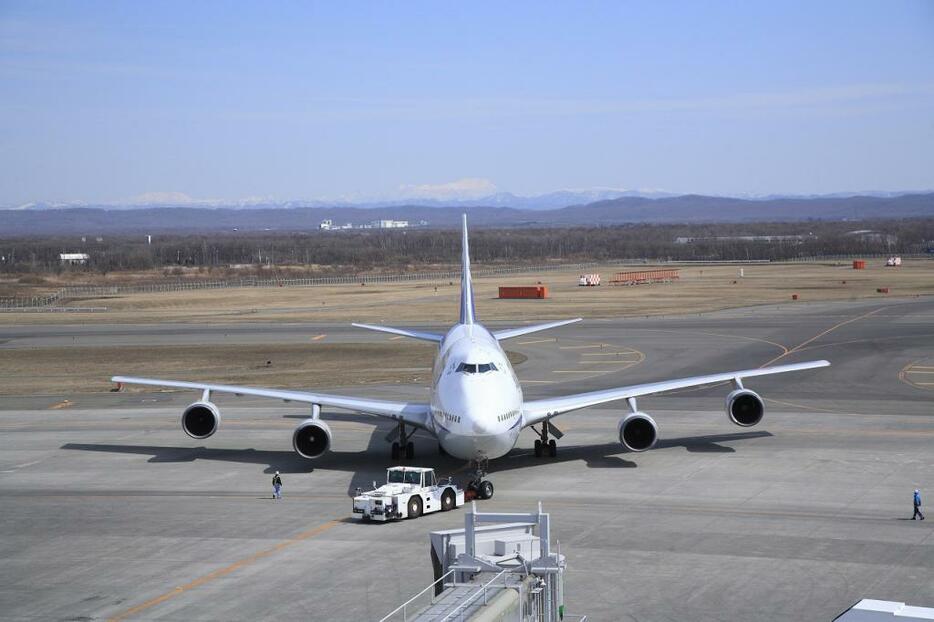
(200, 420)
(744, 407)
(638, 432)
(311, 438)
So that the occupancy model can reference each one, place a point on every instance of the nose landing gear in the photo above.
(483, 489)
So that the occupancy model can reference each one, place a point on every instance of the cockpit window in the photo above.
(479, 368)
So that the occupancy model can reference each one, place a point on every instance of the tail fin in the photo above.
(467, 309)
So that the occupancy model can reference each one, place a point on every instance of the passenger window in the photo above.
(429, 479)
(413, 477)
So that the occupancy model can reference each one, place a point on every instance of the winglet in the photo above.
(467, 307)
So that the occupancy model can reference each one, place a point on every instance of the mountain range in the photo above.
(547, 201)
(614, 211)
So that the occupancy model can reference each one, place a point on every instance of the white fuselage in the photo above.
(476, 399)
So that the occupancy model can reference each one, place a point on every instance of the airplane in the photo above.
(476, 408)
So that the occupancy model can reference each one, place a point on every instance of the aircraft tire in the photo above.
(395, 451)
(409, 450)
(552, 448)
(486, 489)
(538, 448)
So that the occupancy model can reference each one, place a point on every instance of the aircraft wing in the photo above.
(509, 333)
(402, 332)
(415, 413)
(538, 410)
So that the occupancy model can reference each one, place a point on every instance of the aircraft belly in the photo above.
(471, 447)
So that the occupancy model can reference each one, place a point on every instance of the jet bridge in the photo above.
(500, 567)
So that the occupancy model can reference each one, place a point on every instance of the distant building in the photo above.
(389, 224)
(747, 238)
(325, 225)
(73, 259)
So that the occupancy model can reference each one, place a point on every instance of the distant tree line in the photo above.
(362, 251)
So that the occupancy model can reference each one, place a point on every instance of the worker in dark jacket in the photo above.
(917, 506)
(276, 486)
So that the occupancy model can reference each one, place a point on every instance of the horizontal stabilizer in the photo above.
(525, 330)
(404, 332)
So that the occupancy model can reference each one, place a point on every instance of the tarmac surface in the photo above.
(108, 511)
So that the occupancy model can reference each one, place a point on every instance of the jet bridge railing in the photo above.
(481, 591)
(403, 608)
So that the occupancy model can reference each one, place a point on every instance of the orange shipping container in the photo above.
(859, 264)
(539, 291)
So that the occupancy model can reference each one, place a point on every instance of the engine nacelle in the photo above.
(311, 438)
(638, 432)
(744, 407)
(201, 419)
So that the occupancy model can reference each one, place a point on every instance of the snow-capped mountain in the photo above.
(549, 201)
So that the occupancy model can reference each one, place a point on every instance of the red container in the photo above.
(536, 292)
(794, 296)
(859, 264)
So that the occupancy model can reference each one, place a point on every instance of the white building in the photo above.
(389, 224)
(326, 225)
(73, 259)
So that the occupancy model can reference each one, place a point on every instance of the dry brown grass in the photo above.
(89, 368)
(701, 288)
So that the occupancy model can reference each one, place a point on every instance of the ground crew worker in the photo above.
(276, 486)
(917, 506)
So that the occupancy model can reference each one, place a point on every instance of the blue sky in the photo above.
(108, 101)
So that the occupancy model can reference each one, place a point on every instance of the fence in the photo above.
(648, 276)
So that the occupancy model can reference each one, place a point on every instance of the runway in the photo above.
(108, 511)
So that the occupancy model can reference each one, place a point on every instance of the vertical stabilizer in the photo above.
(467, 308)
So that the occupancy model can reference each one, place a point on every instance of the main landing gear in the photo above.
(544, 445)
(403, 445)
(482, 488)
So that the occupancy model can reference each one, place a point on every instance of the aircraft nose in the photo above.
(483, 423)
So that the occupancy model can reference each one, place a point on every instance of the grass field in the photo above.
(700, 288)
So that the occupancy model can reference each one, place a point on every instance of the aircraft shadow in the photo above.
(710, 444)
(369, 465)
(607, 455)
